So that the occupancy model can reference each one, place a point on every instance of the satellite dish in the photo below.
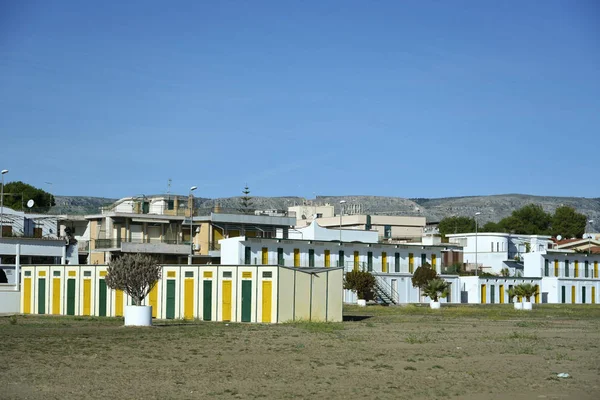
(30, 203)
(559, 237)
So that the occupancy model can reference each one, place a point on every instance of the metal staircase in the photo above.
(384, 292)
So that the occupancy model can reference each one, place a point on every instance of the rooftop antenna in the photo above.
(169, 186)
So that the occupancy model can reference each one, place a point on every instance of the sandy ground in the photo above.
(379, 353)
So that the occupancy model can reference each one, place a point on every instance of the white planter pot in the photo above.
(434, 304)
(518, 306)
(138, 315)
(527, 305)
(362, 303)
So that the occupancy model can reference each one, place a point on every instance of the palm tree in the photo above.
(435, 289)
(527, 290)
(514, 292)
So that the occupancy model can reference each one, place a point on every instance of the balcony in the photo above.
(157, 246)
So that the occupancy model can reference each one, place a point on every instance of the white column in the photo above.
(18, 267)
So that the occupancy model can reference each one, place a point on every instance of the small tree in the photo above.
(435, 289)
(527, 290)
(246, 200)
(135, 274)
(361, 283)
(423, 275)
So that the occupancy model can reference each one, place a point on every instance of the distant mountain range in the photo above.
(492, 208)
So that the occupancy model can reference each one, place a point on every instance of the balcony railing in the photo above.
(204, 211)
(116, 243)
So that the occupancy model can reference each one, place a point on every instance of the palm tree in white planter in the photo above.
(514, 293)
(435, 289)
(136, 275)
(527, 290)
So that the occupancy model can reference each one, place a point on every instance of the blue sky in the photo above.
(391, 98)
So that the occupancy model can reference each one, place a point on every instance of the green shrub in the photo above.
(423, 275)
(361, 283)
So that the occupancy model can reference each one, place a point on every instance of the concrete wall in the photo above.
(10, 299)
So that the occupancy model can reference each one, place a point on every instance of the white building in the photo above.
(562, 277)
(492, 252)
(315, 246)
(307, 212)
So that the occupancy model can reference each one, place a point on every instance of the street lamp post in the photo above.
(589, 236)
(191, 223)
(4, 171)
(476, 229)
(342, 202)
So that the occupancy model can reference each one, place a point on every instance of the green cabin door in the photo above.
(70, 296)
(41, 295)
(102, 294)
(246, 300)
(170, 299)
(563, 295)
(207, 301)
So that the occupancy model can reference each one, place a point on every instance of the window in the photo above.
(319, 215)
(189, 274)
(170, 204)
(227, 274)
(311, 257)
(267, 274)
(387, 231)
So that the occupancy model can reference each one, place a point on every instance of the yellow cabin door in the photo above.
(483, 294)
(501, 294)
(384, 267)
(267, 298)
(27, 296)
(411, 262)
(356, 261)
(593, 294)
(56, 296)
(265, 256)
(188, 304)
(537, 294)
(555, 267)
(434, 262)
(119, 303)
(296, 257)
(573, 295)
(595, 269)
(576, 269)
(87, 297)
(153, 300)
(226, 300)
(327, 259)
